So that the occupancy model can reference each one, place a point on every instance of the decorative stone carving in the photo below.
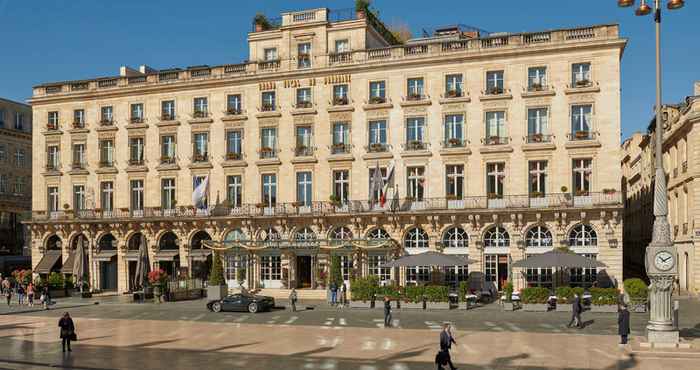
(501, 104)
(378, 113)
(415, 110)
(581, 98)
(304, 118)
(341, 116)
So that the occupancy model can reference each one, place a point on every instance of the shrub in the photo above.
(361, 5)
(364, 288)
(636, 289)
(157, 277)
(56, 280)
(216, 275)
(392, 291)
(240, 274)
(565, 293)
(463, 290)
(604, 296)
(436, 293)
(508, 290)
(535, 295)
(413, 293)
(336, 272)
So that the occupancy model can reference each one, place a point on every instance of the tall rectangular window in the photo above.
(494, 82)
(537, 125)
(136, 113)
(107, 153)
(454, 130)
(340, 94)
(581, 174)
(167, 199)
(234, 104)
(304, 188)
(3, 183)
(106, 115)
(455, 181)
(52, 121)
(234, 191)
(342, 46)
(341, 186)
(269, 189)
(341, 138)
(537, 176)
(19, 121)
(201, 107)
(201, 147)
(415, 89)
(107, 196)
(453, 86)
(137, 202)
(304, 55)
(270, 54)
(377, 192)
(52, 157)
(496, 128)
(536, 78)
(79, 118)
(234, 144)
(581, 121)
(415, 133)
(2, 118)
(167, 149)
(416, 183)
(268, 101)
(270, 267)
(377, 92)
(79, 156)
(303, 139)
(375, 261)
(495, 178)
(136, 150)
(268, 142)
(167, 110)
(52, 198)
(377, 135)
(78, 197)
(304, 97)
(580, 74)
(19, 158)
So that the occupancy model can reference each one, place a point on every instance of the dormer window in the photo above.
(304, 55)
(270, 54)
(342, 46)
(580, 74)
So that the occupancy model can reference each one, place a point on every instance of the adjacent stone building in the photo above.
(15, 174)
(502, 145)
(682, 165)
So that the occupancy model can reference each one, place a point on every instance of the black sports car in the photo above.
(242, 302)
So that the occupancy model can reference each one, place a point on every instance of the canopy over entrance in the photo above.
(48, 261)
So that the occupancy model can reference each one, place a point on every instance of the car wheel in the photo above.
(253, 307)
(216, 307)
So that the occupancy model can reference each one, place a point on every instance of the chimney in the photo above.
(146, 69)
(125, 71)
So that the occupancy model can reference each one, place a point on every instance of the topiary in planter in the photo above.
(436, 293)
(638, 294)
(534, 295)
(508, 290)
(413, 294)
(604, 296)
(565, 294)
(364, 288)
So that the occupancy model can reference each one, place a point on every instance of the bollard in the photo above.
(676, 310)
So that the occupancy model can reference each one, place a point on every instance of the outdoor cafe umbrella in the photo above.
(79, 262)
(429, 258)
(558, 258)
(141, 278)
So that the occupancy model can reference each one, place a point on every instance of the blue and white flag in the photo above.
(199, 195)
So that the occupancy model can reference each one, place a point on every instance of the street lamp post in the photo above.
(660, 256)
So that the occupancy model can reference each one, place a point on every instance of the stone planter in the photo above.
(437, 305)
(535, 307)
(564, 307)
(216, 292)
(360, 304)
(412, 305)
(604, 308)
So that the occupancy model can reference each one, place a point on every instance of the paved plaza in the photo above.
(183, 335)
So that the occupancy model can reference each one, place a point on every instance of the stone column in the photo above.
(122, 268)
(660, 328)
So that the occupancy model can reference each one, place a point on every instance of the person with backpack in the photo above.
(67, 331)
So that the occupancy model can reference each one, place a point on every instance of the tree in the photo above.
(336, 273)
(216, 276)
(401, 31)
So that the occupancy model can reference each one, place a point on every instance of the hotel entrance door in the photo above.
(304, 271)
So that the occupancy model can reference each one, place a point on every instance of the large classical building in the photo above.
(682, 166)
(15, 174)
(502, 145)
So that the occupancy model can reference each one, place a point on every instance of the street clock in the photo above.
(661, 261)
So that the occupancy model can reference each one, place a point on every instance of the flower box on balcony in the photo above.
(231, 156)
(201, 157)
(340, 100)
(454, 142)
(582, 193)
(266, 149)
(167, 117)
(200, 114)
(495, 90)
(339, 147)
(106, 122)
(136, 120)
(267, 107)
(537, 138)
(298, 204)
(415, 145)
(304, 105)
(260, 205)
(78, 124)
(494, 140)
(233, 112)
(536, 87)
(537, 194)
(583, 82)
(453, 94)
(166, 159)
(376, 147)
(414, 97)
(582, 135)
(609, 191)
(377, 100)
(52, 126)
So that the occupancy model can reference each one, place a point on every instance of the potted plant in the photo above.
(565, 296)
(415, 145)
(217, 288)
(455, 142)
(414, 96)
(537, 137)
(265, 149)
(581, 135)
(609, 191)
(304, 104)
(437, 297)
(321, 277)
(376, 147)
(494, 196)
(508, 305)
(453, 93)
(535, 299)
(361, 8)
(335, 200)
(267, 107)
(536, 86)
(637, 294)
(261, 22)
(537, 194)
(583, 82)
(158, 280)
(260, 205)
(463, 292)
(581, 193)
(495, 90)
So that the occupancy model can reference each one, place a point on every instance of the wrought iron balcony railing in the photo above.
(581, 135)
(538, 138)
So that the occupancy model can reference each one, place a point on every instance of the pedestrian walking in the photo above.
(623, 323)
(20, 294)
(387, 312)
(45, 297)
(30, 294)
(344, 295)
(576, 312)
(67, 331)
(446, 341)
(8, 295)
(293, 299)
(334, 293)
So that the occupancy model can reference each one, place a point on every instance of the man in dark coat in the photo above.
(576, 312)
(67, 331)
(623, 323)
(446, 341)
(334, 293)
(293, 299)
(387, 312)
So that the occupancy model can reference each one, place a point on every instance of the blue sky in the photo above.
(55, 40)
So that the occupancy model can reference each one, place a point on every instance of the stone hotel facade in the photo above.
(503, 145)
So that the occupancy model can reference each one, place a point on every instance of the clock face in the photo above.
(664, 261)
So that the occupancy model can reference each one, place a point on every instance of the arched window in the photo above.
(269, 235)
(106, 242)
(455, 237)
(341, 233)
(538, 236)
(416, 238)
(583, 236)
(168, 241)
(305, 236)
(234, 235)
(77, 239)
(53, 243)
(197, 239)
(496, 236)
(134, 242)
(378, 233)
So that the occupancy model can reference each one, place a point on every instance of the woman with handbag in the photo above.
(67, 331)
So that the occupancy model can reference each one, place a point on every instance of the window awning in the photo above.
(166, 255)
(47, 262)
(68, 265)
(105, 255)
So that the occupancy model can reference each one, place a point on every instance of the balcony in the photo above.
(106, 122)
(495, 140)
(53, 167)
(303, 61)
(454, 143)
(52, 126)
(416, 97)
(200, 114)
(167, 117)
(341, 148)
(304, 151)
(268, 65)
(78, 124)
(340, 58)
(136, 120)
(377, 148)
(234, 111)
(375, 100)
(136, 162)
(78, 166)
(200, 158)
(454, 94)
(268, 153)
(268, 107)
(168, 160)
(494, 90)
(581, 136)
(581, 82)
(414, 145)
(538, 138)
(106, 164)
(304, 105)
(340, 101)
(233, 156)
